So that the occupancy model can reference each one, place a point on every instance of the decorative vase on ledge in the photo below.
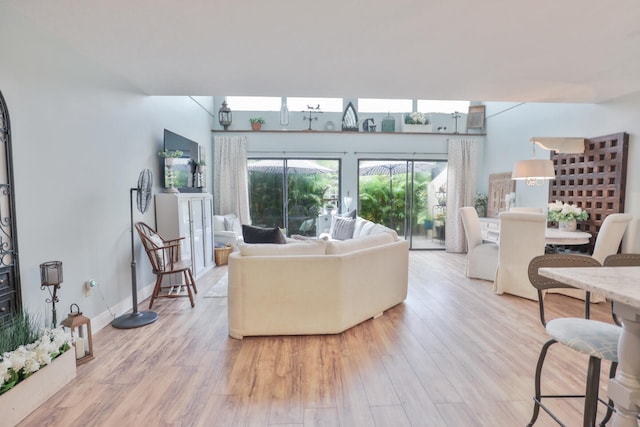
(570, 225)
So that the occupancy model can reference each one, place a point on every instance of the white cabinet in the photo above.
(188, 215)
(490, 229)
(323, 224)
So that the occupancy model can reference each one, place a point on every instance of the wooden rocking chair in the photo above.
(164, 256)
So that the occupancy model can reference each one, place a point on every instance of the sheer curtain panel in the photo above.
(461, 182)
(231, 192)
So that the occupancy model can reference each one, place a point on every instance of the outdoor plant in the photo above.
(416, 118)
(256, 120)
(562, 212)
(170, 153)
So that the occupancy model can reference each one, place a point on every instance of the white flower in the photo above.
(31, 357)
(416, 118)
(559, 211)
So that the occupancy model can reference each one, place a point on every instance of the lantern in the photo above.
(224, 115)
(80, 333)
(50, 278)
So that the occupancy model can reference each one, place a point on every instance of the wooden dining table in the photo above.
(622, 286)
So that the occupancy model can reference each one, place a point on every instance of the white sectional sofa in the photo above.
(316, 286)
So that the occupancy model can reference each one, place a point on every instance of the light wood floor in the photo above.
(453, 354)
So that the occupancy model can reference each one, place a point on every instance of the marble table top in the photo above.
(553, 236)
(620, 284)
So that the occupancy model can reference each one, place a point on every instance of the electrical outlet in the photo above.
(88, 285)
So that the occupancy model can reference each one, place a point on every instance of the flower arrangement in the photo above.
(416, 119)
(17, 365)
(170, 153)
(562, 212)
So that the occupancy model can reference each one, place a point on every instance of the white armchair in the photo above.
(482, 258)
(227, 229)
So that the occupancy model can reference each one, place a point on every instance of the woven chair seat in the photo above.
(589, 337)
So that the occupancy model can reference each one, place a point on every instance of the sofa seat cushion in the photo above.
(315, 247)
(337, 247)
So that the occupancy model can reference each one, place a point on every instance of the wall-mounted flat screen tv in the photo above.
(182, 176)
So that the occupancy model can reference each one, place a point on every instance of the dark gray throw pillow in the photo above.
(252, 234)
(350, 214)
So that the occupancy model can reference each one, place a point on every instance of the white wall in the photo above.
(510, 126)
(80, 137)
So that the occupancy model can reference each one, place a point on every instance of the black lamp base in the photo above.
(134, 320)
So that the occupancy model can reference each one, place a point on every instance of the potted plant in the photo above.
(256, 123)
(170, 153)
(416, 122)
(480, 203)
(26, 350)
(329, 207)
(197, 165)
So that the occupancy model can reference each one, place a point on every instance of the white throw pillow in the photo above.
(343, 228)
(232, 223)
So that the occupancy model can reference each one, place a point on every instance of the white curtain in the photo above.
(461, 187)
(230, 182)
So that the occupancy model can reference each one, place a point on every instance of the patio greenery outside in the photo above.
(295, 203)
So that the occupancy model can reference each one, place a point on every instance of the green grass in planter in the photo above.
(19, 329)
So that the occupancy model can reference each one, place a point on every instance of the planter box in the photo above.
(416, 128)
(17, 403)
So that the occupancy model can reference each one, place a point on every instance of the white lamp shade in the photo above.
(533, 169)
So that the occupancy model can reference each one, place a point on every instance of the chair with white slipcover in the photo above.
(521, 239)
(482, 258)
(607, 243)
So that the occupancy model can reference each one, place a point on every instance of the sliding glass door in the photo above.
(403, 195)
(292, 194)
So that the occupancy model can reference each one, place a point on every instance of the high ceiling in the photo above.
(492, 50)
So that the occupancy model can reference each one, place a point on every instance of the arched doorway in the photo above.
(10, 295)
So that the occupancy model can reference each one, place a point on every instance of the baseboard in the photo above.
(105, 318)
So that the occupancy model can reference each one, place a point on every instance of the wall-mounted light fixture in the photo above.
(533, 171)
(224, 115)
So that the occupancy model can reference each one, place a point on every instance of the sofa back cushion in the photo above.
(337, 247)
(316, 247)
(366, 228)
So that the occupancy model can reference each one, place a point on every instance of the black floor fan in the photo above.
(136, 318)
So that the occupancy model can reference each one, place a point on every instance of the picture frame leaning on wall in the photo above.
(475, 117)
